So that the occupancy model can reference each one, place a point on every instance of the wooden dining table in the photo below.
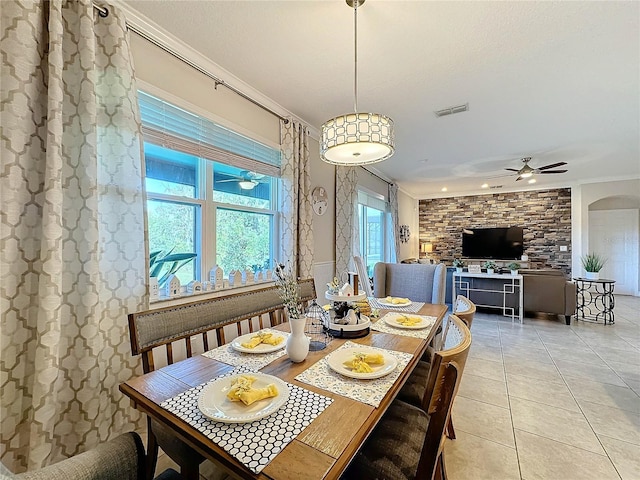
(322, 450)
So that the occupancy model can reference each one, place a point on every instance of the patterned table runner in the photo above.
(413, 308)
(370, 392)
(254, 444)
(255, 361)
(381, 326)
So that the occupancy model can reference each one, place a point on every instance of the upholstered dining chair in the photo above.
(364, 282)
(408, 442)
(121, 458)
(416, 281)
(419, 386)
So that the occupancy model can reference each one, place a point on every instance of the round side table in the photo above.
(594, 299)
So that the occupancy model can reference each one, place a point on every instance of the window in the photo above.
(372, 219)
(218, 203)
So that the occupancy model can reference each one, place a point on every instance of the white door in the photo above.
(614, 235)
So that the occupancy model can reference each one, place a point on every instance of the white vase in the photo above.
(298, 343)
(514, 272)
(459, 269)
(490, 271)
(592, 275)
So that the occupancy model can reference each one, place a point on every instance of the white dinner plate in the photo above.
(261, 348)
(213, 401)
(392, 318)
(336, 363)
(382, 301)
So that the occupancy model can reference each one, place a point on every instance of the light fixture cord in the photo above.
(355, 55)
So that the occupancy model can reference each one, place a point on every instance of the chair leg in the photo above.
(190, 471)
(152, 452)
(443, 467)
(451, 433)
(567, 319)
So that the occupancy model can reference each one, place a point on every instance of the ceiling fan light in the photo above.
(526, 174)
(247, 184)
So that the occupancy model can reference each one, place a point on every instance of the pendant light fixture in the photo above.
(356, 138)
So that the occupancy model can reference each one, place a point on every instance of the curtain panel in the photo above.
(392, 233)
(347, 231)
(297, 214)
(72, 238)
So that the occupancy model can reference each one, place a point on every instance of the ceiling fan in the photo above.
(247, 180)
(527, 171)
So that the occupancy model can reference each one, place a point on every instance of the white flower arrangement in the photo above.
(289, 290)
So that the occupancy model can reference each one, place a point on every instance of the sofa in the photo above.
(548, 291)
(416, 281)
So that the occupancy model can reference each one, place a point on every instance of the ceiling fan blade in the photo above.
(518, 179)
(229, 180)
(554, 171)
(512, 169)
(553, 165)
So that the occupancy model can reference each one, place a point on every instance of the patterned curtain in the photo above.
(395, 227)
(72, 238)
(297, 213)
(346, 217)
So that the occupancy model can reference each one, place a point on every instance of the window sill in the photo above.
(190, 297)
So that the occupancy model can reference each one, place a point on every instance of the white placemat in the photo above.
(254, 444)
(381, 326)
(255, 361)
(370, 392)
(413, 308)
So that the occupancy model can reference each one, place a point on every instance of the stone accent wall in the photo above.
(545, 216)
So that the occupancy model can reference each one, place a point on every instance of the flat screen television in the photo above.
(495, 243)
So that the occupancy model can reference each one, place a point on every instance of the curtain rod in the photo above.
(377, 176)
(104, 12)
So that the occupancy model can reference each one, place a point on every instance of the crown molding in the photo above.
(158, 34)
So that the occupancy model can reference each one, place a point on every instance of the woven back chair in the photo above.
(173, 331)
(464, 309)
(408, 443)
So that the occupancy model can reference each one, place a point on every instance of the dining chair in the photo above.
(121, 458)
(408, 442)
(177, 328)
(464, 309)
(361, 269)
(419, 387)
(416, 281)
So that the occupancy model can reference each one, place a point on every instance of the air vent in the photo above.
(493, 187)
(452, 110)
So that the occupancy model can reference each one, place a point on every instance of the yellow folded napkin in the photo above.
(262, 337)
(408, 320)
(397, 300)
(361, 362)
(242, 391)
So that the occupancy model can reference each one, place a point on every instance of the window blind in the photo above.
(172, 127)
(372, 201)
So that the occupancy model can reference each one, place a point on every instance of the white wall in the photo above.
(584, 195)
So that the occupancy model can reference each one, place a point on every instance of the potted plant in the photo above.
(592, 264)
(513, 266)
(459, 264)
(490, 265)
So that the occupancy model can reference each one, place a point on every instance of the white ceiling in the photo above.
(557, 81)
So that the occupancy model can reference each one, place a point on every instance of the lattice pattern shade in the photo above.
(357, 139)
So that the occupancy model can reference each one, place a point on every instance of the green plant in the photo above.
(167, 263)
(458, 263)
(489, 265)
(289, 290)
(592, 262)
(513, 266)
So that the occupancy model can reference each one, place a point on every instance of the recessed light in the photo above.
(444, 189)
(484, 185)
(533, 180)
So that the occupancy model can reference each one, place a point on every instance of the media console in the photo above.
(503, 291)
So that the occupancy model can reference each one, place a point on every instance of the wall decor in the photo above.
(404, 233)
(319, 200)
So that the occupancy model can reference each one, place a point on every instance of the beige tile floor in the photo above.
(548, 401)
(544, 401)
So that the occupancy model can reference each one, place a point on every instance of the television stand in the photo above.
(502, 291)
